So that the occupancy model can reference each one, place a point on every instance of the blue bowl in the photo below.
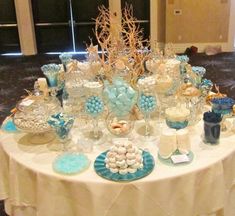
(177, 124)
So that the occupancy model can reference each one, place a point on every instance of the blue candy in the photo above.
(94, 105)
(147, 103)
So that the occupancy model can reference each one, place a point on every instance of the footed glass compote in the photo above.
(147, 101)
(52, 71)
(223, 106)
(177, 116)
(62, 125)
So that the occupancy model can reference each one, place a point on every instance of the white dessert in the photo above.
(163, 83)
(173, 66)
(124, 158)
(147, 84)
(93, 87)
(119, 126)
(167, 144)
(183, 141)
(152, 65)
(177, 114)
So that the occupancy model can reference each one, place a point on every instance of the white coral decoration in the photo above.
(123, 157)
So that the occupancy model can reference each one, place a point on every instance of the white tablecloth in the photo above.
(30, 187)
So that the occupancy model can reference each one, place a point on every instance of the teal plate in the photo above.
(170, 163)
(9, 126)
(70, 163)
(102, 171)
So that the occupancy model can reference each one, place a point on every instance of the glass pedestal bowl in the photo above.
(31, 118)
(120, 125)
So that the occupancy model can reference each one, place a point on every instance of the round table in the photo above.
(30, 187)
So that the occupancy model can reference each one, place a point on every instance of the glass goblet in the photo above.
(94, 106)
(62, 124)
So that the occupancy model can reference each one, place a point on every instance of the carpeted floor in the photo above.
(19, 72)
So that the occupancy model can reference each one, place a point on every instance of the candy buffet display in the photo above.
(126, 83)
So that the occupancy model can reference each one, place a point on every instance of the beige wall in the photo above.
(202, 21)
(157, 23)
(161, 21)
(25, 23)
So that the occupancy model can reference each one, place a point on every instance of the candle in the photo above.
(42, 82)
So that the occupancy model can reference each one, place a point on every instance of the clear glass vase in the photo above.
(120, 125)
(147, 100)
(211, 132)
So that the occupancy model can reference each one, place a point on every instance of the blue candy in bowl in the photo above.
(177, 117)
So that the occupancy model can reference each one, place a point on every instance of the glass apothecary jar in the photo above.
(120, 125)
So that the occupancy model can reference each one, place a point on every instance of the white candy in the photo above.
(130, 156)
(132, 170)
(120, 157)
(111, 154)
(135, 165)
(130, 162)
(121, 163)
(131, 150)
(112, 160)
(123, 171)
(121, 150)
(115, 170)
(112, 165)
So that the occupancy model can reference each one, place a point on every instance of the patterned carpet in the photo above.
(19, 72)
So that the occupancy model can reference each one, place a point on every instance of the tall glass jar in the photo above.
(120, 98)
(147, 100)
(120, 125)
(94, 105)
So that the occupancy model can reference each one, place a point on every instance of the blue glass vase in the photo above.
(62, 124)
(211, 132)
(51, 71)
(65, 59)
